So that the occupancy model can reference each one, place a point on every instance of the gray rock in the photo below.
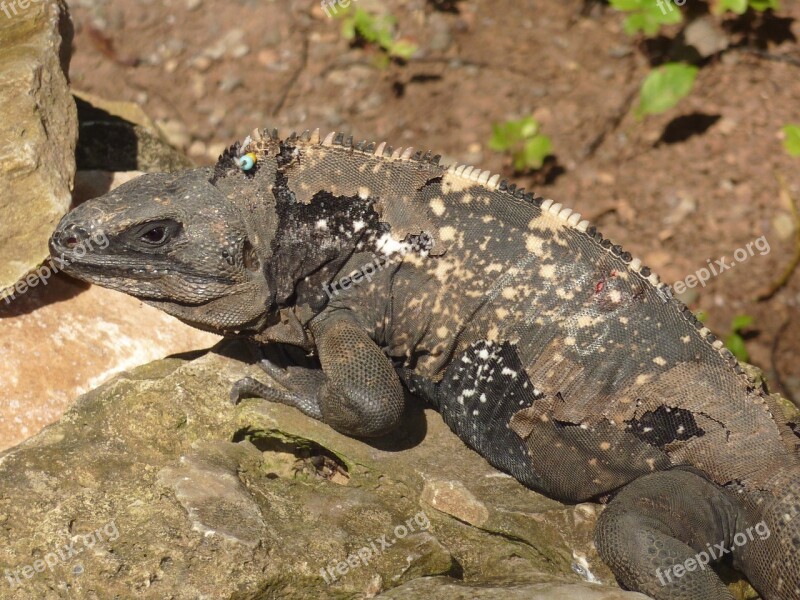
(38, 133)
(165, 490)
(118, 136)
(443, 588)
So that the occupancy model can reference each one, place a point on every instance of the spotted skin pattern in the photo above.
(551, 351)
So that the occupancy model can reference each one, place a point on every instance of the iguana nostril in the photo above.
(72, 236)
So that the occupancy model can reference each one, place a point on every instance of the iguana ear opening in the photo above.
(250, 257)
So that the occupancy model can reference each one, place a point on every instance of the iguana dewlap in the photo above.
(548, 349)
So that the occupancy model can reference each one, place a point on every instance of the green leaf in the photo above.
(740, 7)
(499, 140)
(523, 141)
(792, 140)
(528, 127)
(647, 16)
(506, 135)
(762, 5)
(626, 5)
(664, 87)
(740, 322)
(536, 150)
(735, 343)
(735, 6)
(404, 50)
(701, 315)
(378, 30)
(640, 22)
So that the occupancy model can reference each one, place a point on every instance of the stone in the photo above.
(179, 494)
(443, 588)
(38, 134)
(62, 337)
(119, 136)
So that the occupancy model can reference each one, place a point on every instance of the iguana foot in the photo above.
(303, 394)
(661, 532)
(358, 392)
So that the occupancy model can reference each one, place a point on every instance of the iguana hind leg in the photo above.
(358, 391)
(660, 527)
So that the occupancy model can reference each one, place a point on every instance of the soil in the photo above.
(697, 182)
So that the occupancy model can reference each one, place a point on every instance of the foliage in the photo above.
(791, 141)
(664, 87)
(647, 16)
(375, 29)
(523, 141)
(735, 341)
(740, 6)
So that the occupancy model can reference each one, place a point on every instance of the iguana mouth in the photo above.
(115, 269)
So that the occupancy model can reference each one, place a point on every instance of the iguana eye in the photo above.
(156, 235)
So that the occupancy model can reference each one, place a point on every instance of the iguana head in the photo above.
(175, 241)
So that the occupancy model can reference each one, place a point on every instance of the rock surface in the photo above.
(38, 133)
(119, 136)
(442, 588)
(62, 338)
(165, 490)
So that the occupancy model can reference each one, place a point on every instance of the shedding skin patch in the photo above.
(664, 426)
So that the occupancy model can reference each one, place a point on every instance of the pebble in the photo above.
(201, 63)
(175, 131)
(197, 148)
(240, 51)
(706, 36)
(230, 83)
(215, 150)
(783, 224)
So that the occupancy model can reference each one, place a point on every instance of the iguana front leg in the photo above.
(358, 392)
(661, 532)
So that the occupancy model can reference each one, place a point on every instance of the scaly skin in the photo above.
(552, 352)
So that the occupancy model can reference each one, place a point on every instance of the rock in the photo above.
(176, 133)
(442, 588)
(706, 36)
(38, 133)
(62, 338)
(118, 136)
(181, 495)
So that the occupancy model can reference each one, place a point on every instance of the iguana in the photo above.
(548, 349)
